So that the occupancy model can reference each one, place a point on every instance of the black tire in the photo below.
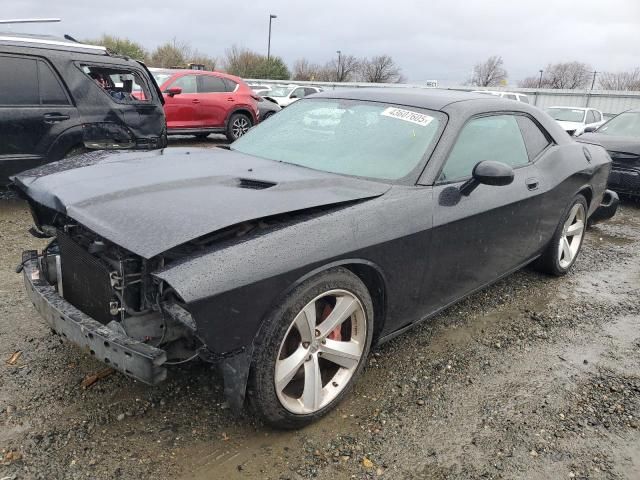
(267, 115)
(201, 136)
(550, 261)
(261, 389)
(238, 125)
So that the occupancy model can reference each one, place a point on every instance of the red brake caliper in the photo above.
(336, 334)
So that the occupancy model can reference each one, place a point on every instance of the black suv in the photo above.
(59, 97)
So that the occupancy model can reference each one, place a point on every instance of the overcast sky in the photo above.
(429, 39)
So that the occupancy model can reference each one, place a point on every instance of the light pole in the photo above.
(540, 81)
(271, 17)
(339, 59)
(593, 82)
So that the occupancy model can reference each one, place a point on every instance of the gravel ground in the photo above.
(535, 377)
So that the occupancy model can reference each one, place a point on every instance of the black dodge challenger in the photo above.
(621, 137)
(340, 223)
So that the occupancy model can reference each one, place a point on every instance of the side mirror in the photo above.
(488, 173)
(590, 129)
(173, 91)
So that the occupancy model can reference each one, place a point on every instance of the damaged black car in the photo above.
(338, 224)
(59, 98)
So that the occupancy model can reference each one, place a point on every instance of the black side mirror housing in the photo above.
(590, 129)
(488, 173)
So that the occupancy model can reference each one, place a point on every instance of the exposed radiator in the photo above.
(85, 280)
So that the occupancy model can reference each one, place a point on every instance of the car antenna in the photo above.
(29, 20)
(69, 37)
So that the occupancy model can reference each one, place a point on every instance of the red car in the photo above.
(199, 103)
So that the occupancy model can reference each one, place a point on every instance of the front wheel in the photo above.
(565, 245)
(312, 349)
(239, 124)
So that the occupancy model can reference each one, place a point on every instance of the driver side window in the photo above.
(298, 93)
(496, 138)
(188, 84)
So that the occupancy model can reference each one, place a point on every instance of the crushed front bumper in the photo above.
(131, 357)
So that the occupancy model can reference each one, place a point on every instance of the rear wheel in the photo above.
(565, 245)
(238, 125)
(312, 349)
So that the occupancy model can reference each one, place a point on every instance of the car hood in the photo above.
(613, 143)
(150, 202)
(570, 125)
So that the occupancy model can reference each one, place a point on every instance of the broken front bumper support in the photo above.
(131, 357)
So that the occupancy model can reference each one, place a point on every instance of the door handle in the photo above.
(532, 183)
(55, 117)
(195, 100)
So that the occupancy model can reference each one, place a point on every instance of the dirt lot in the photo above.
(533, 378)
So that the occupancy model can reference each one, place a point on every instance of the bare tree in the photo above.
(304, 70)
(620, 80)
(490, 73)
(379, 69)
(530, 82)
(568, 75)
(343, 67)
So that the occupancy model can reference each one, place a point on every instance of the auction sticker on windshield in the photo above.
(407, 116)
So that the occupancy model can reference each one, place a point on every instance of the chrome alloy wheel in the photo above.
(320, 351)
(240, 126)
(572, 233)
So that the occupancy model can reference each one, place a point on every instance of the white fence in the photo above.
(610, 102)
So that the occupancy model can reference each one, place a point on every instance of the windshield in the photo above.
(345, 136)
(280, 91)
(161, 77)
(566, 114)
(626, 124)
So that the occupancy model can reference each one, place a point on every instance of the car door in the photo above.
(297, 94)
(590, 119)
(34, 110)
(478, 238)
(181, 110)
(215, 101)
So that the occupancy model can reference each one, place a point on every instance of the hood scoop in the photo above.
(252, 184)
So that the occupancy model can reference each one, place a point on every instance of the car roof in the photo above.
(432, 99)
(175, 71)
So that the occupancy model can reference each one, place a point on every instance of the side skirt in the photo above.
(400, 331)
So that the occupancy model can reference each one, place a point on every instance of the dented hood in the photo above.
(149, 202)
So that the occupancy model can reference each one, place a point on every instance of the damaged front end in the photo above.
(104, 299)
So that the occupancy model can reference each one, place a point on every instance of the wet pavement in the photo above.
(535, 377)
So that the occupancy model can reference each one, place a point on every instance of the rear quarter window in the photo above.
(535, 139)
